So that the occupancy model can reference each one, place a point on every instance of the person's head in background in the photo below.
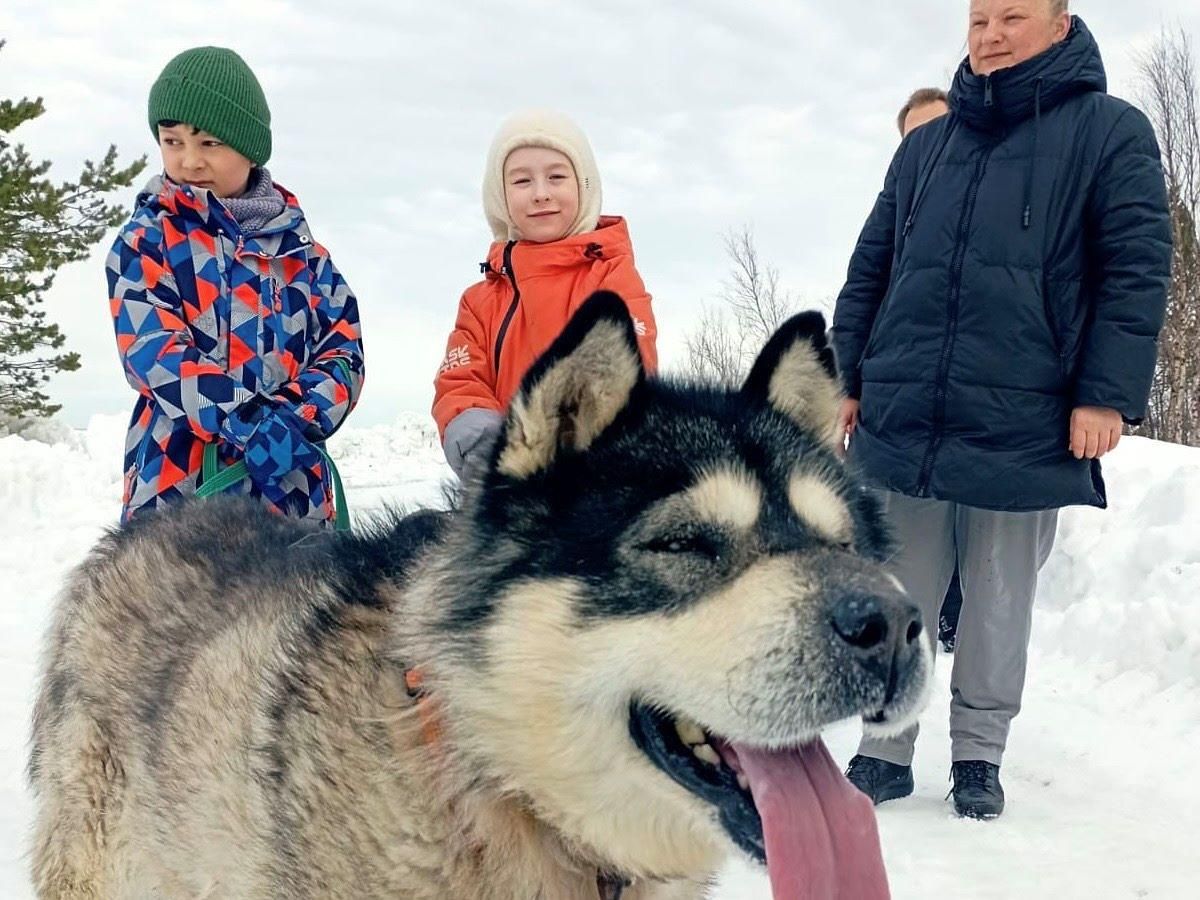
(1005, 33)
(922, 107)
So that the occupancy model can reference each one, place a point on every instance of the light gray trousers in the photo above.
(998, 555)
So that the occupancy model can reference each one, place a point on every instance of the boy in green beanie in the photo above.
(233, 325)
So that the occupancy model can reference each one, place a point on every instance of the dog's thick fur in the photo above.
(224, 714)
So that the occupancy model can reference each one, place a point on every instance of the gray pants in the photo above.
(999, 555)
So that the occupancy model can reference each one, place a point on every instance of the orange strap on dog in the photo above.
(431, 726)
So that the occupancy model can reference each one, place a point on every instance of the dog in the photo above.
(600, 674)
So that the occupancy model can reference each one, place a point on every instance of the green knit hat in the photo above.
(213, 89)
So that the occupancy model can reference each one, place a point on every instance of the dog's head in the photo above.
(660, 593)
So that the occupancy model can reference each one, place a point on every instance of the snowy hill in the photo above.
(1104, 793)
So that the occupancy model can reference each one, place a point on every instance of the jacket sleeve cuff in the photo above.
(852, 384)
(467, 433)
(1131, 413)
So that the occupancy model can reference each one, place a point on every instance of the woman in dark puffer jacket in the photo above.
(999, 321)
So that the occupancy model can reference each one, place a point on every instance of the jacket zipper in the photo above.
(223, 307)
(512, 307)
(952, 302)
(270, 291)
(272, 297)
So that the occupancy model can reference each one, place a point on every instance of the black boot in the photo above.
(878, 779)
(977, 791)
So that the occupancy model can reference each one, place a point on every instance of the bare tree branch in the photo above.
(1172, 101)
(749, 307)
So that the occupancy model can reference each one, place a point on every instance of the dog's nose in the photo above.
(868, 622)
(860, 622)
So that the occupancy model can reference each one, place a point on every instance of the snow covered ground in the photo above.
(1101, 774)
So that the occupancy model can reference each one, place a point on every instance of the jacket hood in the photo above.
(1009, 96)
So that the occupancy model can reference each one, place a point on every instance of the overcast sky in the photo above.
(704, 115)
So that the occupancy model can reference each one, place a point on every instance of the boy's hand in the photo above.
(1094, 431)
(847, 419)
(240, 424)
(279, 446)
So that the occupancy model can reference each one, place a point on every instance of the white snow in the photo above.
(1101, 772)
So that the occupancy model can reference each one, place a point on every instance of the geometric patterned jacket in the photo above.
(207, 318)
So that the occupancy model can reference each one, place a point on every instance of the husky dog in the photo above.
(598, 676)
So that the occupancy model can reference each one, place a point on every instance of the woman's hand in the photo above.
(1094, 431)
(847, 420)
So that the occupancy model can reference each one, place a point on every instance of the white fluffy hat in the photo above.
(540, 128)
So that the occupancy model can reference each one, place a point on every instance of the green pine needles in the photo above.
(43, 226)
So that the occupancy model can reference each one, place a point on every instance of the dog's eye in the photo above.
(697, 544)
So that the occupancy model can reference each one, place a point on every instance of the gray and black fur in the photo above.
(224, 710)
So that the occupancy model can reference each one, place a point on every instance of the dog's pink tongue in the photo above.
(821, 838)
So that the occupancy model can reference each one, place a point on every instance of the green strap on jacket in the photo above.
(215, 480)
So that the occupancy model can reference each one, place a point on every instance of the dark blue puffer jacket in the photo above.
(1014, 267)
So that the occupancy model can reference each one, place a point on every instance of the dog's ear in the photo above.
(796, 375)
(575, 390)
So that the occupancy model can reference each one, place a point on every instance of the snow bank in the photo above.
(1122, 590)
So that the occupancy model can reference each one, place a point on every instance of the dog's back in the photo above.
(174, 704)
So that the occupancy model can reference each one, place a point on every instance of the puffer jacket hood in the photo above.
(1010, 96)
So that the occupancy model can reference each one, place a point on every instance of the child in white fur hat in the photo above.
(552, 250)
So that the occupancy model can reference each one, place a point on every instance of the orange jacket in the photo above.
(528, 294)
